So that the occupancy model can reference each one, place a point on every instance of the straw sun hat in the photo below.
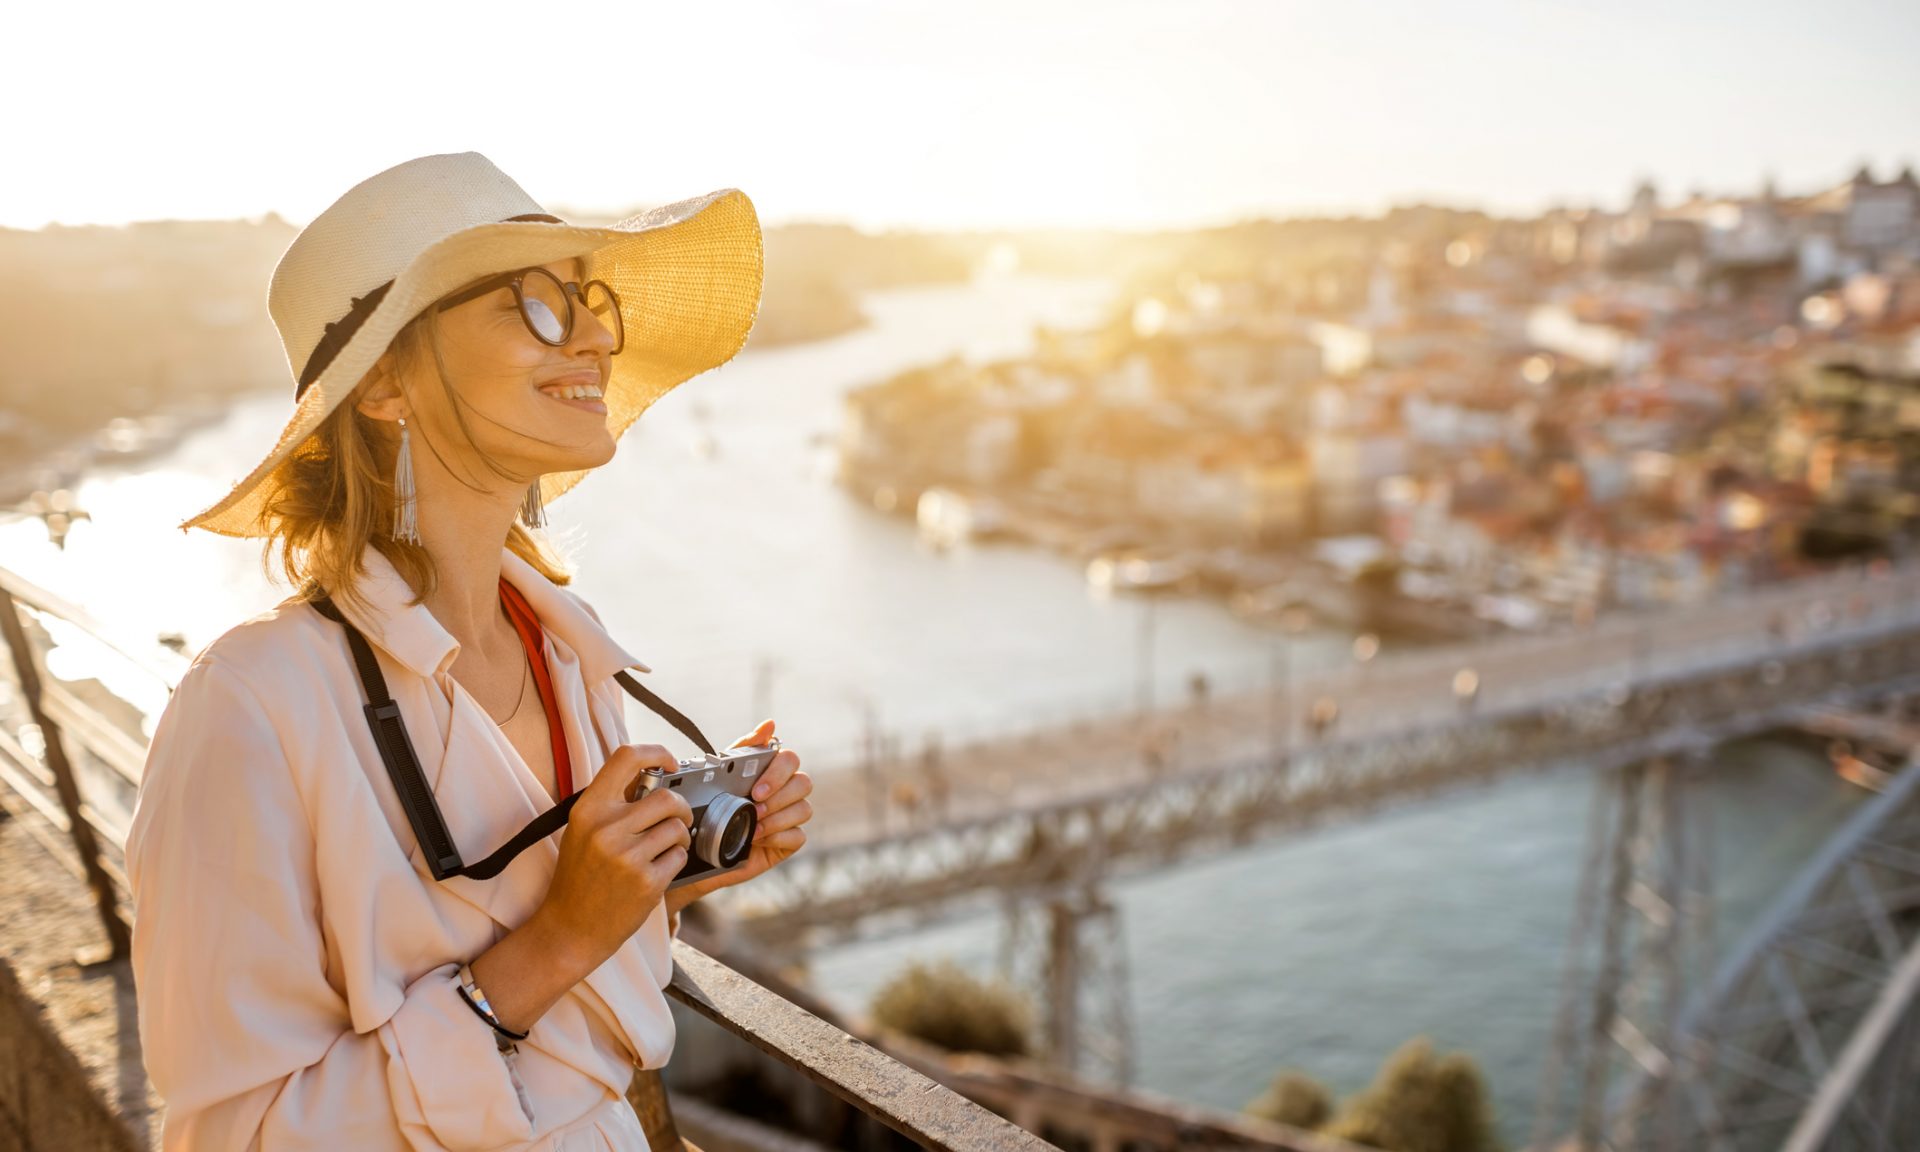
(688, 275)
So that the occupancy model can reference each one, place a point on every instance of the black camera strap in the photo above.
(410, 782)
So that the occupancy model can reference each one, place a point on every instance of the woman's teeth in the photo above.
(575, 392)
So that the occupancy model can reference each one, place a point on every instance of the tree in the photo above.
(1420, 1103)
(943, 1005)
(1293, 1098)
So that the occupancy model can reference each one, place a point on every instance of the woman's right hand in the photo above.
(617, 857)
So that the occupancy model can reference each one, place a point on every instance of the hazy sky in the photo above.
(965, 113)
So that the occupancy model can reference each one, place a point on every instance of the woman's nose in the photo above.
(590, 330)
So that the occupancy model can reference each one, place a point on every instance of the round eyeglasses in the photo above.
(546, 304)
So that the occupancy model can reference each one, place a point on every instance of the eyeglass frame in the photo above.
(570, 290)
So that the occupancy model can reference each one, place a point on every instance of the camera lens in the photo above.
(737, 838)
(725, 832)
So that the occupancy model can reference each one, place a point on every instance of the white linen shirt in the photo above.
(295, 960)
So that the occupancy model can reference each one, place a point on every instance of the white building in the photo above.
(1346, 470)
(1555, 328)
(1242, 501)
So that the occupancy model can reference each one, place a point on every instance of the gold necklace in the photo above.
(517, 699)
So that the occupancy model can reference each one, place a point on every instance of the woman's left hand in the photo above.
(780, 802)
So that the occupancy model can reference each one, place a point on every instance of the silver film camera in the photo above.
(718, 789)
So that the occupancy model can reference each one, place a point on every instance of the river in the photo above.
(755, 586)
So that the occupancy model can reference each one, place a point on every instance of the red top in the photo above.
(528, 625)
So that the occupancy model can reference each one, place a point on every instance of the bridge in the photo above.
(1047, 817)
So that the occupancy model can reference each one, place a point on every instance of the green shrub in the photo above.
(1369, 1128)
(1420, 1103)
(1471, 1107)
(1293, 1098)
(941, 1004)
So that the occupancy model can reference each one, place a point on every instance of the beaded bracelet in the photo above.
(477, 1000)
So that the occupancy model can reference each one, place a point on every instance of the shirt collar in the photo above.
(413, 636)
(567, 616)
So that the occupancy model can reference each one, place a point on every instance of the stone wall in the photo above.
(71, 1077)
(47, 1101)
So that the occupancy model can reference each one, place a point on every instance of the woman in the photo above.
(304, 980)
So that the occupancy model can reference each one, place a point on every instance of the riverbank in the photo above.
(1124, 554)
(50, 460)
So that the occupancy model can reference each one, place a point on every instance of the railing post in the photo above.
(118, 942)
(648, 1095)
(1063, 985)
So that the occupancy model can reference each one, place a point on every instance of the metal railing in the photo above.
(37, 764)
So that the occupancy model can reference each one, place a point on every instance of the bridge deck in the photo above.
(906, 795)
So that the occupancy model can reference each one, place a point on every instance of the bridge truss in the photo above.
(1808, 1037)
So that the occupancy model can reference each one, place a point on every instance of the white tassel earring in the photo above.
(531, 509)
(406, 520)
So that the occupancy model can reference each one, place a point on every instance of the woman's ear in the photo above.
(379, 395)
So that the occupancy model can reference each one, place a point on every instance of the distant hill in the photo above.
(97, 322)
(815, 273)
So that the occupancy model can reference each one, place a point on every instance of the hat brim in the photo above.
(688, 275)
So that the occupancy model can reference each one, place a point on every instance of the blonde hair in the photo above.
(334, 496)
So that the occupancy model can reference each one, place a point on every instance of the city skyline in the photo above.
(1029, 116)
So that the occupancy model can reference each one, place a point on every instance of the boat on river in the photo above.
(948, 517)
(1141, 572)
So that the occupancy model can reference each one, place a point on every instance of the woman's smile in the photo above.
(577, 390)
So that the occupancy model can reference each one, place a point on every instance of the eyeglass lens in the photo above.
(545, 305)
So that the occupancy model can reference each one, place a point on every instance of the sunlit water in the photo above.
(1323, 952)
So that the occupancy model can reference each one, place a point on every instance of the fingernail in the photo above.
(759, 791)
(760, 810)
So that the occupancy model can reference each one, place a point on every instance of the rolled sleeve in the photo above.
(244, 1037)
